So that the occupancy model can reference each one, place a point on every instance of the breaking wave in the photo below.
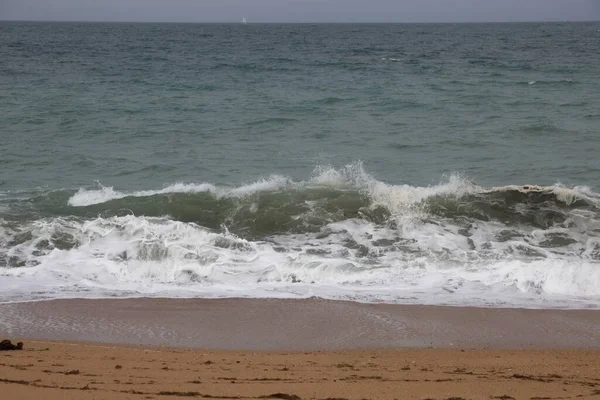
(339, 234)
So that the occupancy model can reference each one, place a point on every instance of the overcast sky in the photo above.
(301, 10)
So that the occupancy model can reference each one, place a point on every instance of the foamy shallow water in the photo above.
(342, 234)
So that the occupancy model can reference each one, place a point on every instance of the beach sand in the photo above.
(52, 370)
(290, 349)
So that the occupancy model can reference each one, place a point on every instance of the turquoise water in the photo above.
(343, 161)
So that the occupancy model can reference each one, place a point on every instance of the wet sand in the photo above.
(260, 324)
(295, 349)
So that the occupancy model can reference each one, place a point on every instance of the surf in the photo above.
(341, 234)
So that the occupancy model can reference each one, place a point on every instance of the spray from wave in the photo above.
(340, 234)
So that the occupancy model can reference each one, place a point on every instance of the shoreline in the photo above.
(295, 350)
(296, 325)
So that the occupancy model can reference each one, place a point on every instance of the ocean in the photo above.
(451, 164)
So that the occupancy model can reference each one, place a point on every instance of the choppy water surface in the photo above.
(436, 164)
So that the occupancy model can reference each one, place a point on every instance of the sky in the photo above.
(301, 10)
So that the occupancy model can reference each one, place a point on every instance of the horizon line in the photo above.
(298, 22)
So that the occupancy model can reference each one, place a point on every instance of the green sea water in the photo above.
(138, 106)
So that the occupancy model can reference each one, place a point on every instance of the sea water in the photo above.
(429, 164)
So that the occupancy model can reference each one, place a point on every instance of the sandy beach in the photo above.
(295, 349)
(53, 370)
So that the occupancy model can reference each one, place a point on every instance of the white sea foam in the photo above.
(430, 264)
(87, 197)
(416, 259)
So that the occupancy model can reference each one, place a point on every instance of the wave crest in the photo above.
(339, 234)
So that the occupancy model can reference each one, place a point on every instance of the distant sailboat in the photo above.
(244, 20)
